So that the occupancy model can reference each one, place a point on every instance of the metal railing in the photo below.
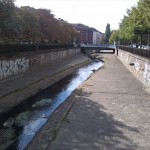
(18, 48)
(137, 51)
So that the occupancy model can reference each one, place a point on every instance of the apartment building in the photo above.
(97, 37)
(88, 35)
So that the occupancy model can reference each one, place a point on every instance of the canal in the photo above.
(19, 125)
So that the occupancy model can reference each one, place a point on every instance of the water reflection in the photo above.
(25, 120)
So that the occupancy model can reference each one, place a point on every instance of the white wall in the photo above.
(97, 37)
(94, 37)
(141, 67)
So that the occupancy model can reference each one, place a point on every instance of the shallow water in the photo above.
(25, 120)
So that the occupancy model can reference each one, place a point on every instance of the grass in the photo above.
(64, 118)
(22, 118)
(7, 137)
(42, 103)
(9, 123)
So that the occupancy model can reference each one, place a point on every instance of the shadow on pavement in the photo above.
(89, 127)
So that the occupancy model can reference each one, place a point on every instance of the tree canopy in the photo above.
(135, 26)
(107, 33)
(27, 24)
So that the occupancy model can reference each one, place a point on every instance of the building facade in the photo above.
(88, 35)
(97, 37)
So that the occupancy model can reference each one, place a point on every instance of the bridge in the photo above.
(99, 48)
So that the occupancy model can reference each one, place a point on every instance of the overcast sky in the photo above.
(94, 13)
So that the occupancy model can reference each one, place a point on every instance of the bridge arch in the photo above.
(98, 49)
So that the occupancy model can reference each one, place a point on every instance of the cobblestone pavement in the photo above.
(112, 112)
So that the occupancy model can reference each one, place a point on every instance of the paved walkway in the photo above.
(112, 112)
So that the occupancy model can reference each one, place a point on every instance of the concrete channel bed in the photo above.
(17, 89)
(110, 111)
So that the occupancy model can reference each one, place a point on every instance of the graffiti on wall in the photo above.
(141, 67)
(137, 66)
(13, 67)
(147, 72)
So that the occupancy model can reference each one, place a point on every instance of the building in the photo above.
(88, 35)
(97, 37)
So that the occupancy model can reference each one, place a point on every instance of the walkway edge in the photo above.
(48, 133)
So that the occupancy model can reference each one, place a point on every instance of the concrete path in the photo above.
(112, 112)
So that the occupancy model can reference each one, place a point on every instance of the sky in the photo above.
(94, 13)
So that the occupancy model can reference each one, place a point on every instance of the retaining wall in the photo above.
(137, 64)
(14, 64)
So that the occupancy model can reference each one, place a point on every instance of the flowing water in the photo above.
(18, 126)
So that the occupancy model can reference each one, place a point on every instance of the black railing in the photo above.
(99, 49)
(141, 52)
(17, 48)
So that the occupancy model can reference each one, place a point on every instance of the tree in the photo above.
(8, 27)
(114, 38)
(29, 24)
(47, 24)
(136, 23)
(107, 33)
(32, 25)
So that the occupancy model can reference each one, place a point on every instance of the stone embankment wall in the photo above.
(14, 64)
(137, 64)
